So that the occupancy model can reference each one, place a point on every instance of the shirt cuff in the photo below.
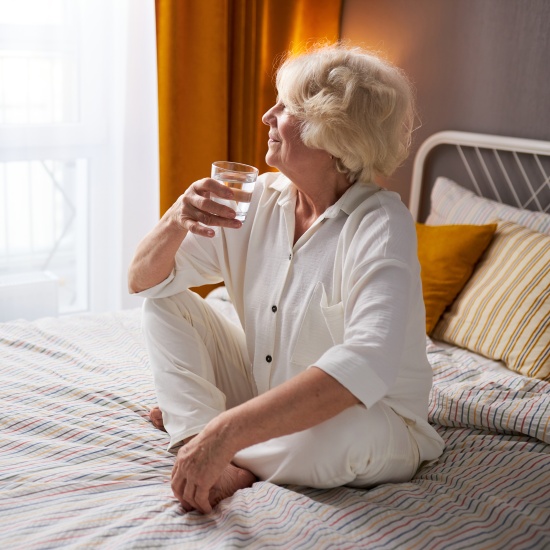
(354, 373)
(158, 291)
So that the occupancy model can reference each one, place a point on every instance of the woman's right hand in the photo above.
(195, 211)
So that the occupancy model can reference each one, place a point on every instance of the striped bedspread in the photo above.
(81, 466)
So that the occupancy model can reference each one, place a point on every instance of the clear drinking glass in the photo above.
(241, 178)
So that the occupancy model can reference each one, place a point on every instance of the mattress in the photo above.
(81, 466)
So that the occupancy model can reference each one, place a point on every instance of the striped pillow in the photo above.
(452, 204)
(503, 312)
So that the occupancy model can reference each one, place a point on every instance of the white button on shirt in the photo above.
(346, 297)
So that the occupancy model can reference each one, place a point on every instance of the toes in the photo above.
(155, 415)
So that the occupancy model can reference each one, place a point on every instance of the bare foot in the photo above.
(232, 479)
(155, 415)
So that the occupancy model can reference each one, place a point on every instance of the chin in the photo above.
(271, 161)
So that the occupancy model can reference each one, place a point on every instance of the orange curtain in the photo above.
(216, 61)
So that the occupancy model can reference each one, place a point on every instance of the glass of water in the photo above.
(241, 178)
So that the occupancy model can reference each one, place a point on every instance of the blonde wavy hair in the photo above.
(352, 104)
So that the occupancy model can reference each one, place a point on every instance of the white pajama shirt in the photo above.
(345, 298)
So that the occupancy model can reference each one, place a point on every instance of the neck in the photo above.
(312, 200)
(314, 197)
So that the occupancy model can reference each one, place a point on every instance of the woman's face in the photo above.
(286, 151)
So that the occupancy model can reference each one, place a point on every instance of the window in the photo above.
(64, 113)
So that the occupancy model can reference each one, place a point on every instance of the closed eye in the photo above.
(280, 104)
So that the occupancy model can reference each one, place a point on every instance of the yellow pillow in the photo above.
(447, 255)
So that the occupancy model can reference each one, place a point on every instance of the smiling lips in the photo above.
(272, 138)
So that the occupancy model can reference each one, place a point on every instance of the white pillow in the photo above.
(453, 204)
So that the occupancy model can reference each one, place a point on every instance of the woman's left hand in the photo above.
(199, 465)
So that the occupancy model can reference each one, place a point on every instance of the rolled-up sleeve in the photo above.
(196, 264)
(376, 312)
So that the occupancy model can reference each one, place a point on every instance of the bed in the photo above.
(81, 466)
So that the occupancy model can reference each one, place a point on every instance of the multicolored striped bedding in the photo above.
(81, 466)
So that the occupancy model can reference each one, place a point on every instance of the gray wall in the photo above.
(477, 65)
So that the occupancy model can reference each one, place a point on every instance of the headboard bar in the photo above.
(508, 180)
(516, 146)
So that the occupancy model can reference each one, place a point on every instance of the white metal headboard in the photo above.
(526, 166)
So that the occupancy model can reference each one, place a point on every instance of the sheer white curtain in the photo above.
(78, 152)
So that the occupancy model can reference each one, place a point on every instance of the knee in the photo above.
(179, 311)
(149, 306)
(151, 309)
(177, 304)
(392, 453)
(150, 316)
(157, 312)
(324, 456)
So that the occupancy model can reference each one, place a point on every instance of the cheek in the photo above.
(295, 149)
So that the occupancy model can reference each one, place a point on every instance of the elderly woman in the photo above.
(326, 381)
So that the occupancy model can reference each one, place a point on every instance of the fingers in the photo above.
(208, 185)
(202, 215)
(194, 498)
(210, 206)
(198, 210)
(188, 494)
(178, 488)
(197, 498)
(187, 506)
(202, 501)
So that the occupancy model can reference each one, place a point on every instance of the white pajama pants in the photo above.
(201, 367)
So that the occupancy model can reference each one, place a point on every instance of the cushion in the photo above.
(451, 204)
(447, 255)
(503, 311)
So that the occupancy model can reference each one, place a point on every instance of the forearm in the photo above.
(155, 256)
(304, 401)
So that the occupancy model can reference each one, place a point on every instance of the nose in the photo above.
(268, 116)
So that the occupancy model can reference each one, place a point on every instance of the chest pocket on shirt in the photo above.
(322, 327)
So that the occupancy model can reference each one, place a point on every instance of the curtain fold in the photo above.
(192, 37)
(216, 61)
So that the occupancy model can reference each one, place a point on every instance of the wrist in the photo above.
(225, 428)
(172, 220)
